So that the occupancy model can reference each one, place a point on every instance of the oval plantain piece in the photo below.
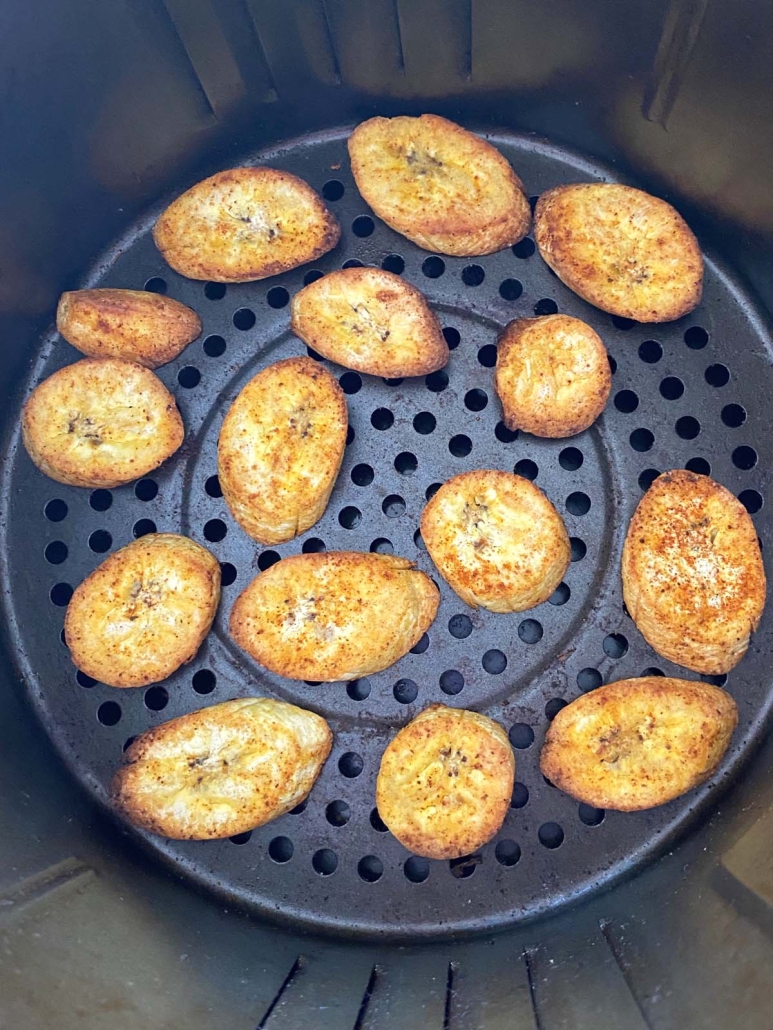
(245, 224)
(441, 186)
(133, 324)
(638, 743)
(496, 539)
(552, 376)
(144, 611)
(334, 616)
(101, 422)
(222, 770)
(280, 448)
(371, 321)
(620, 249)
(693, 579)
(445, 782)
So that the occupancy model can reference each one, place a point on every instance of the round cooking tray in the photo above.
(694, 393)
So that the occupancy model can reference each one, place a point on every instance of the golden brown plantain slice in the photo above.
(101, 422)
(638, 743)
(222, 770)
(371, 321)
(445, 782)
(245, 224)
(280, 449)
(621, 249)
(133, 324)
(334, 616)
(693, 579)
(441, 186)
(144, 611)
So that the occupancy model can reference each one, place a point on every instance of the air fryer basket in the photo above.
(183, 89)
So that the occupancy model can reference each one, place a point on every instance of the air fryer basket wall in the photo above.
(107, 111)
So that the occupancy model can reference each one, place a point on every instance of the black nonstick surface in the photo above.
(693, 393)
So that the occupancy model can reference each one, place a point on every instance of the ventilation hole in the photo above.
(524, 248)
(312, 276)
(460, 445)
(333, 189)
(392, 382)
(370, 868)
(418, 540)
(433, 267)
(545, 307)
(473, 275)
(463, 867)
(56, 510)
(615, 645)
(650, 351)
(733, 415)
(406, 463)
(350, 517)
(578, 548)
(553, 707)
(451, 682)
(56, 552)
(156, 285)
(416, 869)
(313, 354)
(241, 838)
(589, 679)
(751, 500)
(349, 435)
(156, 698)
(352, 263)
(338, 813)
(146, 489)
(100, 541)
(452, 337)
(744, 458)
(189, 377)
(550, 835)
(505, 435)
(626, 401)
(377, 822)
(393, 506)
(314, 546)
(507, 853)
(717, 375)
(612, 364)
(530, 631)
(128, 742)
(268, 558)
(699, 466)
(521, 737)
(622, 323)
(214, 291)
(436, 381)
(641, 440)
(350, 764)
(350, 383)
(548, 782)
(520, 796)
(671, 388)
(475, 400)
(244, 319)
(405, 691)
(362, 475)
(527, 468)
(300, 808)
(424, 423)
(63, 639)
(382, 546)
(60, 594)
(212, 487)
(460, 626)
(363, 225)
(687, 427)
(358, 690)
(277, 297)
(696, 337)
(590, 816)
(84, 681)
(215, 530)
(494, 662)
(382, 418)
(560, 595)
(718, 681)
(510, 289)
(647, 478)
(578, 503)
(571, 458)
(204, 681)
(431, 490)
(421, 645)
(533, 203)
(487, 355)
(393, 263)
(227, 573)
(280, 849)
(652, 671)
(214, 346)
(109, 713)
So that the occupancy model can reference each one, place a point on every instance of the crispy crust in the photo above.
(222, 770)
(101, 422)
(552, 375)
(496, 539)
(280, 448)
(441, 186)
(132, 324)
(245, 224)
(693, 578)
(445, 782)
(371, 321)
(144, 612)
(334, 616)
(621, 249)
(638, 743)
